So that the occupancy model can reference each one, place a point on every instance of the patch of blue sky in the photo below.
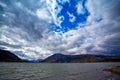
(66, 24)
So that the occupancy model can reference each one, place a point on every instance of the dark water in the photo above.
(57, 71)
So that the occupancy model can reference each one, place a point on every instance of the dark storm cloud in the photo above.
(10, 45)
(19, 23)
(20, 16)
(113, 43)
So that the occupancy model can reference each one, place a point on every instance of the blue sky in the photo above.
(69, 11)
(36, 29)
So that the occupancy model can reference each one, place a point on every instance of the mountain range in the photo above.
(60, 58)
(7, 56)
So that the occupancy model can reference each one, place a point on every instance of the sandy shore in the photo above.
(115, 70)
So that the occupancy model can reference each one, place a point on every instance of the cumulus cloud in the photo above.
(27, 28)
(72, 17)
(80, 9)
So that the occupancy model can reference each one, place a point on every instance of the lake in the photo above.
(57, 71)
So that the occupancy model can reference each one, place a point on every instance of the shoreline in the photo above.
(115, 70)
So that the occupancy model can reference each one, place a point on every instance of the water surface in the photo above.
(57, 71)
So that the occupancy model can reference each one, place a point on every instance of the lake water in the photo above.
(57, 71)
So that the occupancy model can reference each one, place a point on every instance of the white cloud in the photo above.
(44, 15)
(72, 17)
(79, 7)
(63, 1)
(54, 9)
(2, 4)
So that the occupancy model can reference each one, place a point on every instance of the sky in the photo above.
(36, 29)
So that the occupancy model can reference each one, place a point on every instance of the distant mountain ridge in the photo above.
(61, 58)
(7, 56)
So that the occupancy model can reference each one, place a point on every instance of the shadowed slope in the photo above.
(7, 56)
(60, 58)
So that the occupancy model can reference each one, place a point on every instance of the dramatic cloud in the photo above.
(35, 29)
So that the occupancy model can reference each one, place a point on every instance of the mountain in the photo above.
(60, 58)
(7, 56)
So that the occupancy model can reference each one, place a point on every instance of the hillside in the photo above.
(60, 58)
(7, 56)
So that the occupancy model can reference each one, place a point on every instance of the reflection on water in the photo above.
(57, 71)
